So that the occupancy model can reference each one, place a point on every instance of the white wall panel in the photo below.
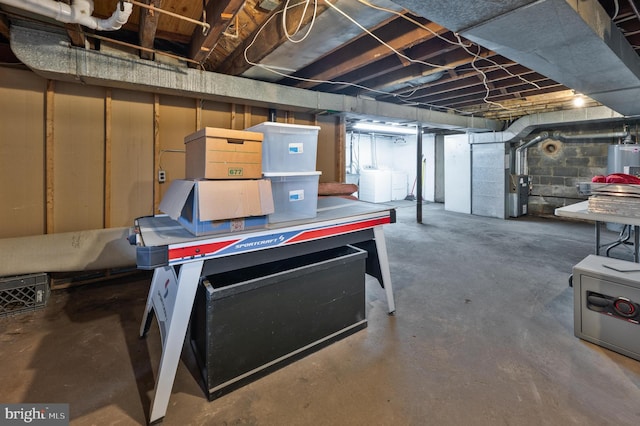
(457, 173)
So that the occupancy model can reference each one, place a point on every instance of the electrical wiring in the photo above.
(484, 75)
(273, 69)
(404, 99)
(466, 47)
(300, 21)
(176, 151)
(382, 42)
(458, 43)
(408, 18)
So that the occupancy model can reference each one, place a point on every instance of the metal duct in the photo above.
(572, 42)
(67, 251)
(521, 166)
(568, 137)
(522, 127)
(290, 57)
(521, 151)
(79, 12)
(49, 55)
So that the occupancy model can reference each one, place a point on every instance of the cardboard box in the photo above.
(213, 153)
(216, 206)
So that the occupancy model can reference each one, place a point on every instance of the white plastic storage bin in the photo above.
(295, 195)
(288, 147)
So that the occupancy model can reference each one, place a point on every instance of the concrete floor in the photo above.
(483, 335)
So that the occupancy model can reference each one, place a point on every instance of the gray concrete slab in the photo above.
(483, 334)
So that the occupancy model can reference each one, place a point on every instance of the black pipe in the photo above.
(419, 176)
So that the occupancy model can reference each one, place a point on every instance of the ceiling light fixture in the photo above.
(380, 128)
(578, 100)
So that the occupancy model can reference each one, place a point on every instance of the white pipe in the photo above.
(79, 12)
(53, 9)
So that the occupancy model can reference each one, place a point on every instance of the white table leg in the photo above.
(158, 273)
(178, 313)
(381, 247)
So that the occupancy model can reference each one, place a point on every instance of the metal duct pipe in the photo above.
(79, 12)
(521, 166)
(573, 136)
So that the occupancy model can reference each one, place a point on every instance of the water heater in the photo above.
(622, 155)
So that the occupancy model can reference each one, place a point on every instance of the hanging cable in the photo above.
(459, 42)
(382, 42)
(400, 98)
(635, 8)
(300, 21)
(616, 9)
(408, 18)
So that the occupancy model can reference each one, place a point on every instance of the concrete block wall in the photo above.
(555, 167)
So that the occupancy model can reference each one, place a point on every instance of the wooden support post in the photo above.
(198, 114)
(48, 155)
(232, 118)
(289, 117)
(156, 152)
(247, 116)
(107, 159)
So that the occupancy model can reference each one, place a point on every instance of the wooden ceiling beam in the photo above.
(470, 100)
(4, 27)
(76, 35)
(147, 27)
(450, 60)
(219, 16)
(271, 36)
(75, 32)
(464, 80)
(480, 89)
(430, 50)
(368, 50)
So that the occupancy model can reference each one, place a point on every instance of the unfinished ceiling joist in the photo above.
(572, 42)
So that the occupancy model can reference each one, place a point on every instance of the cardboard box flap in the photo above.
(234, 199)
(175, 197)
(266, 196)
(232, 136)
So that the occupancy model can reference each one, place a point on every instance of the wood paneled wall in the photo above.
(76, 157)
(22, 160)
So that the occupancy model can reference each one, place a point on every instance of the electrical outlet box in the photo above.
(162, 176)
